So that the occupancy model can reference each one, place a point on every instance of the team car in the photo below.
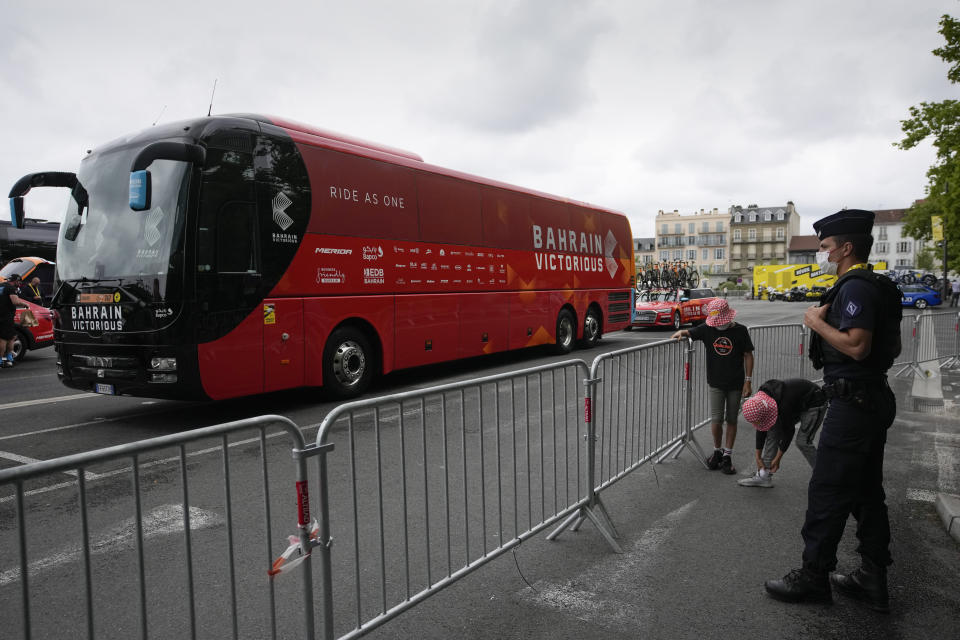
(919, 296)
(29, 338)
(671, 307)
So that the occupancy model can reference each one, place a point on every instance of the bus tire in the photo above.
(566, 331)
(348, 363)
(591, 329)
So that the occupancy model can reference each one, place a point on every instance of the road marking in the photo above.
(580, 597)
(30, 403)
(161, 521)
(13, 457)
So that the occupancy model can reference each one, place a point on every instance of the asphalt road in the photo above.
(697, 546)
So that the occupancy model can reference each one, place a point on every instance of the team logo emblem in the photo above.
(151, 229)
(852, 308)
(723, 346)
(280, 204)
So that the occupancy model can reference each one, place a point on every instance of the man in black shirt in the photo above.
(9, 301)
(855, 338)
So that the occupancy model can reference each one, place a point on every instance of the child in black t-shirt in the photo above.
(729, 370)
(774, 412)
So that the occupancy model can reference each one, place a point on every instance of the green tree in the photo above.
(939, 121)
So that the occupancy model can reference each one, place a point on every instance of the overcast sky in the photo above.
(634, 105)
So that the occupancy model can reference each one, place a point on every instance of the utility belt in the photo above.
(853, 389)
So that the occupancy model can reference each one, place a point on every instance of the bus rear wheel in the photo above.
(591, 329)
(347, 363)
(566, 331)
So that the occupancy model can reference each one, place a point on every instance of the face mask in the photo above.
(723, 326)
(824, 264)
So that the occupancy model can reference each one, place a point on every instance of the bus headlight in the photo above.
(163, 364)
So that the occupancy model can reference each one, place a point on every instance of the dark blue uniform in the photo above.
(848, 475)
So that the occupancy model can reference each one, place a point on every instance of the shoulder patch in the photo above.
(852, 309)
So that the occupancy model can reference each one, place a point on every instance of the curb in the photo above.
(948, 506)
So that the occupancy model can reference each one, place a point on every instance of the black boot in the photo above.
(867, 584)
(801, 585)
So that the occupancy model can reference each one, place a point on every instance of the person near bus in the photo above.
(9, 301)
(729, 352)
(774, 412)
(31, 293)
(855, 337)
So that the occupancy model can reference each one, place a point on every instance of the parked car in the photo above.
(816, 292)
(919, 296)
(671, 307)
(27, 269)
(36, 337)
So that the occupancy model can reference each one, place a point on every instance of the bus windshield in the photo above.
(109, 241)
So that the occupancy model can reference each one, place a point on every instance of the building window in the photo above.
(881, 247)
(780, 234)
(678, 228)
(903, 247)
(692, 255)
(677, 254)
(691, 240)
(766, 216)
(719, 227)
(739, 218)
(705, 227)
(718, 253)
(692, 227)
(664, 229)
(736, 235)
(882, 233)
(751, 234)
(705, 254)
(902, 262)
(664, 256)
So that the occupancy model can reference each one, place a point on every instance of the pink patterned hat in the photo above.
(760, 410)
(719, 313)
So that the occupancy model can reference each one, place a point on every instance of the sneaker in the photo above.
(756, 481)
(7, 364)
(713, 462)
(726, 465)
(801, 585)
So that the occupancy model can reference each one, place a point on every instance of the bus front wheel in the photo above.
(347, 363)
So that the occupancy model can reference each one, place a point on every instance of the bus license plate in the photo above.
(105, 388)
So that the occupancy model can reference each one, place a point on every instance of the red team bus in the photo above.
(236, 255)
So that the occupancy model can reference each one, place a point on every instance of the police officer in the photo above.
(852, 338)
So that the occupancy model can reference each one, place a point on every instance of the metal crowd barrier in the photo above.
(439, 482)
(416, 490)
(170, 568)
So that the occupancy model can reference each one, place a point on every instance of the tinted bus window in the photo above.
(237, 239)
(449, 210)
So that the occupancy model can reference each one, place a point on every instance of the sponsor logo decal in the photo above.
(97, 318)
(372, 276)
(372, 253)
(331, 250)
(330, 275)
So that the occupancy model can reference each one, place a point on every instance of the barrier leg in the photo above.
(594, 509)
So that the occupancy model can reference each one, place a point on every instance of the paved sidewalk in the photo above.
(698, 547)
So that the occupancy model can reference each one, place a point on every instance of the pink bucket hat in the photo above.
(719, 312)
(760, 410)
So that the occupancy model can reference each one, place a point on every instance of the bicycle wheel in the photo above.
(908, 278)
(693, 278)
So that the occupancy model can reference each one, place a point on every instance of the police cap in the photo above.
(844, 222)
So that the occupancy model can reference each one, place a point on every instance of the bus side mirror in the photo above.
(140, 190)
(17, 215)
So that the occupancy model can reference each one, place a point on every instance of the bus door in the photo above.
(229, 276)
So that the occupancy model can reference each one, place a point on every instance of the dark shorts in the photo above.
(7, 332)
